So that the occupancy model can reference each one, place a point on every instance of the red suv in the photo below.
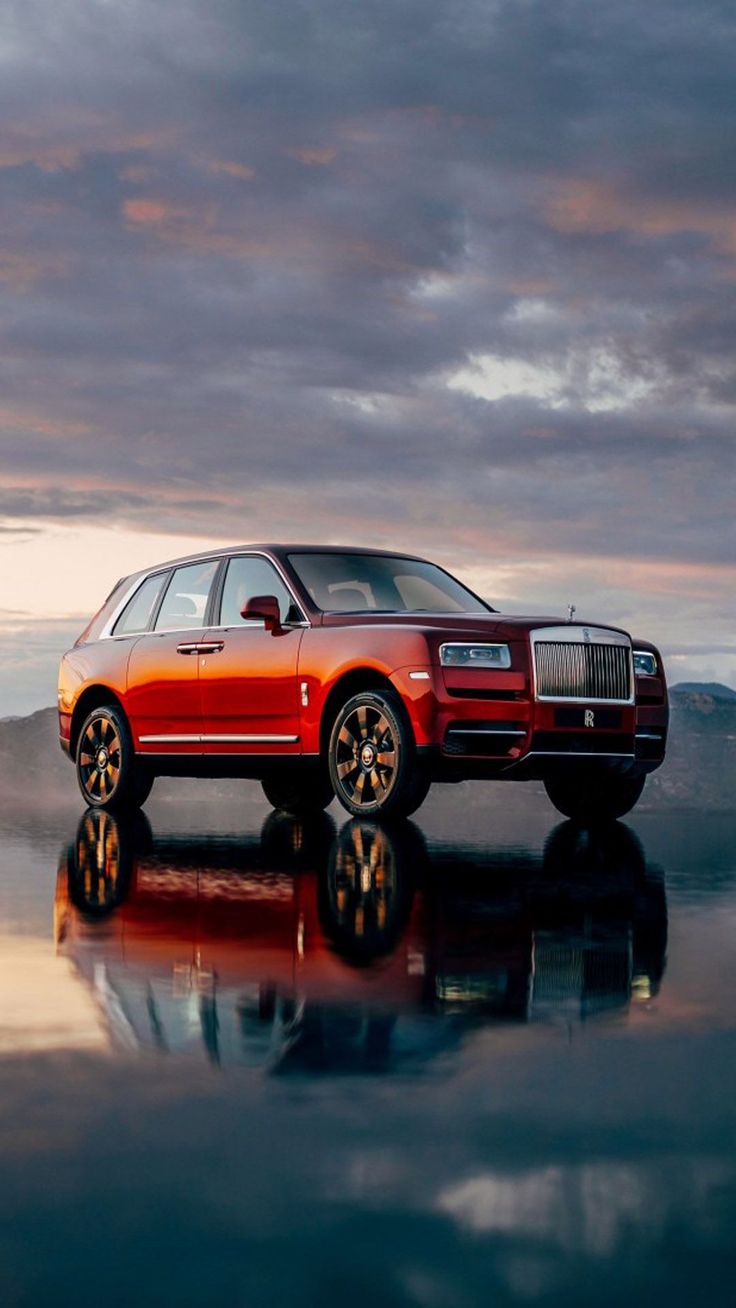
(324, 671)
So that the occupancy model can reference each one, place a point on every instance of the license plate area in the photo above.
(591, 718)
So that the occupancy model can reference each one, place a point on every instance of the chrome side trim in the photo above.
(172, 740)
(226, 738)
(251, 739)
(481, 731)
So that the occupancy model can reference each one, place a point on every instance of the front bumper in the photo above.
(489, 725)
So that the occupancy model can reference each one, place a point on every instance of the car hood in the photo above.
(496, 626)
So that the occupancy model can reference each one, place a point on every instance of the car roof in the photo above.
(278, 551)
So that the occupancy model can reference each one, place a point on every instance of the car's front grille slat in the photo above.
(573, 670)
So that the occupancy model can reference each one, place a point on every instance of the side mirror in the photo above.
(264, 608)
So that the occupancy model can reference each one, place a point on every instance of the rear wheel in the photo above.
(108, 772)
(299, 793)
(599, 798)
(372, 758)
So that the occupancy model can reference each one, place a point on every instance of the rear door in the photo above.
(163, 697)
(250, 697)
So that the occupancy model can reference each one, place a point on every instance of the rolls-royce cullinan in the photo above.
(354, 673)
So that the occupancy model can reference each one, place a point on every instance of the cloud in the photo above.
(455, 276)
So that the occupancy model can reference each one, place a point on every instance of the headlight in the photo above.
(475, 656)
(645, 664)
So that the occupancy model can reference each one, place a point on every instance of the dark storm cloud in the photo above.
(245, 246)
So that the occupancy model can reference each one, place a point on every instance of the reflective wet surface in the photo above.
(482, 1057)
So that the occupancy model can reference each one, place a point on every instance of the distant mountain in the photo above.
(713, 689)
(33, 769)
(700, 766)
(698, 773)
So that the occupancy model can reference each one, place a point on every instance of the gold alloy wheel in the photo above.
(100, 758)
(366, 756)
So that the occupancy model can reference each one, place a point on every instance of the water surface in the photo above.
(482, 1058)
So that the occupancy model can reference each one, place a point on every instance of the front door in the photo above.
(163, 696)
(250, 697)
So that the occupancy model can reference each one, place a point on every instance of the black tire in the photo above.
(299, 793)
(601, 797)
(372, 759)
(108, 773)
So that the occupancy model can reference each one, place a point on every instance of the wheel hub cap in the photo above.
(102, 759)
(368, 756)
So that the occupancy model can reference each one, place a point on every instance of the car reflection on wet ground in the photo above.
(316, 950)
(484, 1058)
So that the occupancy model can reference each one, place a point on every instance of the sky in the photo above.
(451, 277)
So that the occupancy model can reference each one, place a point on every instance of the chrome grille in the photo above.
(570, 670)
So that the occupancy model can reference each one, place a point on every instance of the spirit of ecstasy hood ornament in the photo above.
(571, 609)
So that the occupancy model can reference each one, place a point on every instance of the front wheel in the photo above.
(108, 773)
(599, 798)
(373, 764)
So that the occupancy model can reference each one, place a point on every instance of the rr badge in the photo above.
(589, 718)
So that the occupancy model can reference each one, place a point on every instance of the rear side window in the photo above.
(136, 615)
(246, 577)
(185, 601)
(102, 616)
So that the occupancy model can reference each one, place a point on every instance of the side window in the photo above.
(137, 613)
(248, 576)
(185, 601)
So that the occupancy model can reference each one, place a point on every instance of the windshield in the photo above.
(358, 583)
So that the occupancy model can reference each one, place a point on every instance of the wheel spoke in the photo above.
(359, 786)
(346, 738)
(344, 769)
(362, 715)
(387, 759)
(380, 729)
(89, 782)
(377, 784)
(103, 785)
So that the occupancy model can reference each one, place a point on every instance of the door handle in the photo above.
(201, 647)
